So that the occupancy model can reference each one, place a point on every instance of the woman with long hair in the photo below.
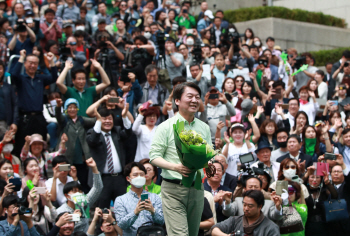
(301, 119)
(320, 189)
(42, 214)
(311, 142)
(311, 107)
(39, 52)
(248, 37)
(288, 169)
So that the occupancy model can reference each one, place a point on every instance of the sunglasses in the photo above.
(239, 81)
(291, 192)
(73, 43)
(293, 167)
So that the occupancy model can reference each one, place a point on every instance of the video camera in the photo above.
(299, 61)
(137, 54)
(22, 209)
(20, 27)
(161, 37)
(64, 51)
(197, 53)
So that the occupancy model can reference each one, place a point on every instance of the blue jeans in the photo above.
(52, 130)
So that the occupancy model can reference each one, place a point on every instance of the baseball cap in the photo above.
(209, 14)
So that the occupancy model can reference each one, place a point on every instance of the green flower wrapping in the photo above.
(193, 151)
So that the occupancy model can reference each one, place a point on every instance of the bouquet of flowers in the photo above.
(194, 152)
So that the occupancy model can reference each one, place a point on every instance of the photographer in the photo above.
(185, 19)
(174, 61)
(252, 222)
(15, 225)
(109, 57)
(245, 59)
(64, 225)
(121, 36)
(107, 223)
(20, 40)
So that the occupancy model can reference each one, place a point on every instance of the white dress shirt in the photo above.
(277, 118)
(116, 162)
(60, 198)
(310, 109)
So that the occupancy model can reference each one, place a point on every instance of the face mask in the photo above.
(207, 19)
(190, 41)
(289, 173)
(80, 27)
(72, 196)
(147, 35)
(7, 148)
(138, 182)
(257, 43)
(282, 144)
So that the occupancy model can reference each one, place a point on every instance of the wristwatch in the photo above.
(114, 222)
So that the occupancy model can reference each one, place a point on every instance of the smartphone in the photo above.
(285, 106)
(11, 174)
(184, 11)
(64, 167)
(245, 158)
(235, 94)
(330, 156)
(75, 217)
(280, 185)
(315, 165)
(17, 182)
(222, 118)
(40, 190)
(145, 106)
(228, 96)
(124, 75)
(113, 100)
(322, 167)
(213, 96)
(189, 31)
(334, 102)
(278, 94)
(144, 196)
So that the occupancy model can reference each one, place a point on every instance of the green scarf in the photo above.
(310, 144)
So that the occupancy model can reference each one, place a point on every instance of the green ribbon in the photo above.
(310, 144)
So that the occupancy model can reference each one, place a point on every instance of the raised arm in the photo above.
(60, 81)
(105, 80)
(91, 109)
(255, 128)
(256, 86)
(12, 43)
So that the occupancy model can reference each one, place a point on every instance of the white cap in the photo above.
(209, 14)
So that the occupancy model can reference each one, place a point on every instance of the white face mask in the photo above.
(138, 182)
(257, 43)
(7, 148)
(190, 41)
(80, 27)
(147, 35)
(289, 173)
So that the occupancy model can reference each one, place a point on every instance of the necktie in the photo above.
(109, 155)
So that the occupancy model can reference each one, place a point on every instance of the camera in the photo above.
(197, 53)
(20, 27)
(299, 61)
(137, 55)
(64, 51)
(103, 47)
(161, 42)
(24, 210)
(105, 211)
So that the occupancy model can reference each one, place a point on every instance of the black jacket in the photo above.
(98, 148)
(230, 181)
(11, 107)
(302, 157)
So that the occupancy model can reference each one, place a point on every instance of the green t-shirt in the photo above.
(85, 98)
(153, 188)
(187, 23)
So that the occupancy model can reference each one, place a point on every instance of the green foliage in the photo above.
(253, 13)
(324, 56)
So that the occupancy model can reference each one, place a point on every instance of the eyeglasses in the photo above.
(182, 49)
(123, 5)
(290, 167)
(33, 62)
(239, 81)
(337, 171)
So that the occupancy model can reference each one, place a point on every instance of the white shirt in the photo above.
(233, 156)
(277, 118)
(322, 90)
(60, 198)
(116, 162)
(144, 138)
(296, 158)
(310, 109)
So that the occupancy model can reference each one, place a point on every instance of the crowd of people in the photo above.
(90, 91)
